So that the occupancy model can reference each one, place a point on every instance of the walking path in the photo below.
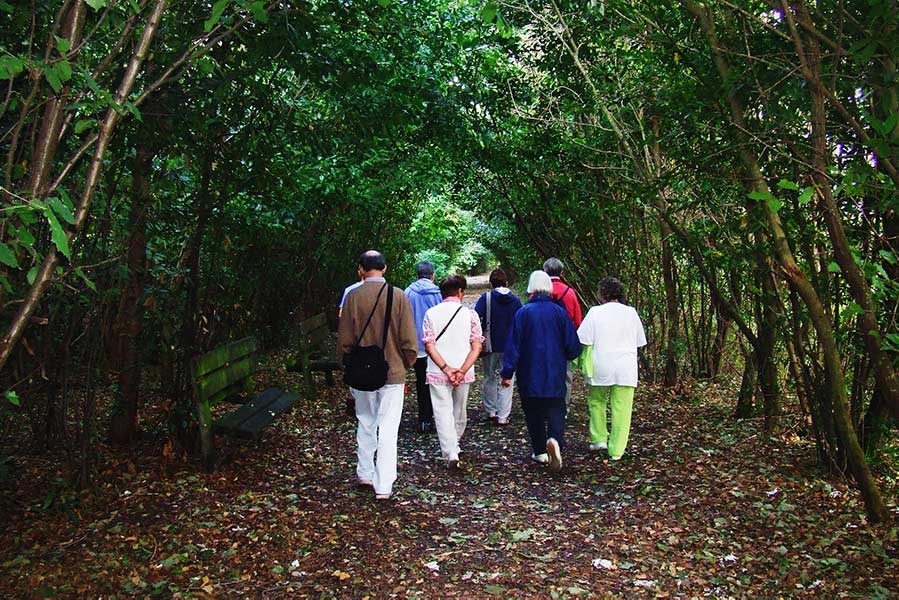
(698, 507)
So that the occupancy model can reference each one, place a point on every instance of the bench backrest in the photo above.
(314, 331)
(225, 371)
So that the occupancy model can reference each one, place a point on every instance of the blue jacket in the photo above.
(543, 340)
(502, 311)
(422, 294)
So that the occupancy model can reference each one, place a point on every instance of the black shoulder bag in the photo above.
(364, 367)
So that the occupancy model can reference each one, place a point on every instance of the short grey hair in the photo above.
(424, 269)
(553, 266)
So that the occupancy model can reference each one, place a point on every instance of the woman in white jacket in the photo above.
(611, 333)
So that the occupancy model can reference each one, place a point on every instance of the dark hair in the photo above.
(498, 278)
(452, 284)
(611, 289)
(553, 267)
(372, 261)
(424, 269)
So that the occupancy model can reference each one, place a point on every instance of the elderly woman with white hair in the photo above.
(542, 342)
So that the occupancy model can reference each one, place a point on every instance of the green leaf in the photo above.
(85, 279)
(806, 195)
(7, 256)
(62, 44)
(83, 124)
(58, 234)
(97, 4)
(65, 212)
(32, 274)
(64, 70)
(218, 9)
(774, 204)
(10, 66)
(259, 13)
(853, 309)
(488, 13)
(888, 256)
(13, 398)
(833, 268)
(787, 185)
(7, 7)
(760, 196)
(384, 3)
(206, 65)
(24, 236)
(53, 79)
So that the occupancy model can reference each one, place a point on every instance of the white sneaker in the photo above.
(555, 454)
(540, 458)
(599, 446)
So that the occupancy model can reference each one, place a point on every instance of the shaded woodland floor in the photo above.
(699, 507)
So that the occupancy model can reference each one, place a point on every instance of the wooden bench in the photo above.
(313, 353)
(226, 373)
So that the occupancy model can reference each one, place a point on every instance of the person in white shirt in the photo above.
(611, 334)
(452, 337)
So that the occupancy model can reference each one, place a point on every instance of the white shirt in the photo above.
(615, 332)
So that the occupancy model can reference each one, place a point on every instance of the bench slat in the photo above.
(314, 338)
(216, 381)
(325, 365)
(223, 355)
(231, 421)
(313, 323)
(263, 418)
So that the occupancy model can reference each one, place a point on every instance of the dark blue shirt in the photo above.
(502, 310)
(542, 342)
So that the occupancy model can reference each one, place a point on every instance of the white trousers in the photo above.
(450, 416)
(497, 399)
(379, 414)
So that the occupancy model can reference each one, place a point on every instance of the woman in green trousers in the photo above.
(611, 334)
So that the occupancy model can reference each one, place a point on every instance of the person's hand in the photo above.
(456, 377)
(507, 383)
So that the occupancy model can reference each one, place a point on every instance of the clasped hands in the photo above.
(455, 376)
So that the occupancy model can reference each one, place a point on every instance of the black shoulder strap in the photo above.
(389, 314)
(568, 289)
(371, 314)
(439, 335)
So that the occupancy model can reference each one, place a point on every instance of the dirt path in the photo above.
(697, 508)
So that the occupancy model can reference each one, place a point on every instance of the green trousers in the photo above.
(621, 399)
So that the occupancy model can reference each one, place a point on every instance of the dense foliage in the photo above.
(181, 174)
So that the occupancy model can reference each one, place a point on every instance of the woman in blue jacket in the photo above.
(542, 342)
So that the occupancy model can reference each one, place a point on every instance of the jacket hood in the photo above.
(502, 297)
(425, 287)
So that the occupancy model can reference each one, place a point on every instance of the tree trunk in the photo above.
(45, 274)
(834, 378)
(123, 427)
(671, 305)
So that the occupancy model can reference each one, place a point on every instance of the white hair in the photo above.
(540, 283)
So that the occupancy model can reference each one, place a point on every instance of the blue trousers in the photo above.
(545, 418)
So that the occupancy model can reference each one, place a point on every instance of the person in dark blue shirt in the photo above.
(497, 309)
(542, 342)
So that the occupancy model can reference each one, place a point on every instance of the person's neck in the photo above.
(370, 274)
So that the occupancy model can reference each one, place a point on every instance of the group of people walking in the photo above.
(538, 345)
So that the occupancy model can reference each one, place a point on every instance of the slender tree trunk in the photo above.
(123, 427)
(45, 274)
(884, 373)
(835, 381)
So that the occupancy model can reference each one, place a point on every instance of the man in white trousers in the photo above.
(451, 333)
(378, 412)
